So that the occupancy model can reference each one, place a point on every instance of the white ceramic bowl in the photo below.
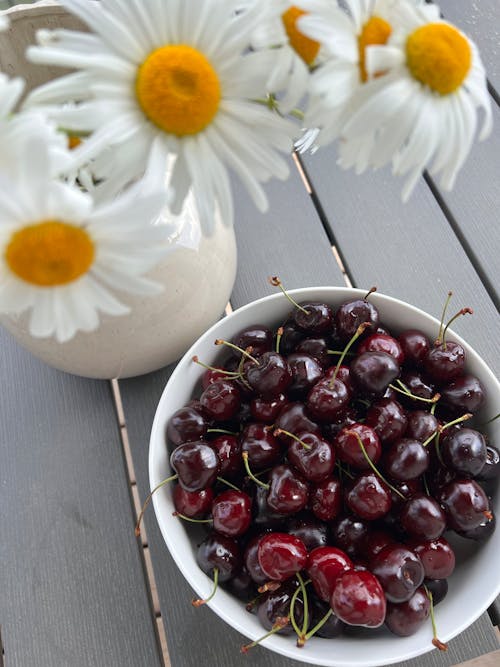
(476, 580)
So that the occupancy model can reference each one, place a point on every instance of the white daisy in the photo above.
(423, 111)
(176, 71)
(63, 257)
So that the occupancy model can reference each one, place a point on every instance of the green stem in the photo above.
(231, 486)
(406, 392)
(443, 314)
(148, 500)
(250, 473)
(278, 431)
(199, 602)
(373, 466)
(247, 354)
(305, 622)
(437, 642)
(276, 282)
(359, 331)
(188, 518)
(320, 624)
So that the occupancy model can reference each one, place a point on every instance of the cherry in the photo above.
(221, 400)
(481, 532)
(221, 553)
(281, 555)
(422, 517)
(438, 588)
(325, 499)
(275, 605)
(314, 317)
(382, 342)
(258, 337)
(388, 419)
(262, 447)
(317, 348)
(358, 599)
(372, 372)
(421, 425)
(399, 571)
(464, 451)
(491, 469)
(406, 459)
(196, 464)
(232, 513)
(415, 346)
(333, 627)
(374, 542)
(418, 385)
(291, 336)
(264, 516)
(288, 490)
(306, 371)
(312, 456)
(445, 362)
(463, 394)
(353, 313)
(228, 449)
(349, 533)
(327, 398)
(184, 425)
(271, 376)
(368, 497)
(405, 618)
(293, 419)
(266, 410)
(251, 560)
(324, 565)
(309, 529)
(466, 504)
(193, 504)
(437, 556)
(212, 375)
(348, 449)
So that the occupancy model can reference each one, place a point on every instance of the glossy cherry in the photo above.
(184, 425)
(288, 490)
(232, 513)
(221, 553)
(258, 337)
(388, 419)
(466, 504)
(399, 571)
(293, 418)
(358, 599)
(193, 504)
(422, 517)
(415, 346)
(263, 449)
(312, 456)
(196, 464)
(312, 531)
(327, 399)
(281, 555)
(381, 342)
(372, 372)
(463, 394)
(405, 618)
(406, 459)
(351, 314)
(271, 376)
(221, 400)
(324, 565)
(314, 317)
(228, 449)
(266, 410)
(325, 499)
(464, 451)
(437, 556)
(445, 362)
(348, 449)
(275, 605)
(306, 371)
(368, 497)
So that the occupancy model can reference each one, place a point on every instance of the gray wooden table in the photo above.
(77, 588)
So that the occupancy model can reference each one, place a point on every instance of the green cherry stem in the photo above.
(343, 471)
(403, 389)
(231, 375)
(357, 334)
(280, 623)
(148, 500)
(221, 430)
(276, 282)
(188, 518)
(279, 336)
(305, 622)
(199, 602)
(463, 311)
(437, 642)
(319, 624)
(372, 465)
(244, 456)
(225, 481)
(279, 431)
(246, 352)
(443, 315)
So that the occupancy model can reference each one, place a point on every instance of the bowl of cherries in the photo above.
(324, 466)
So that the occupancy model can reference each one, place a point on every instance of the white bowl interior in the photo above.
(476, 580)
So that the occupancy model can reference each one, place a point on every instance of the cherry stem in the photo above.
(372, 465)
(148, 500)
(246, 352)
(276, 282)
(250, 473)
(231, 374)
(343, 470)
(269, 586)
(463, 311)
(426, 486)
(403, 389)
(279, 335)
(491, 420)
(231, 486)
(199, 602)
(301, 638)
(188, 518)
(349, 354)
(221, 430)
(370, 292)
(359, 331)
(443, 314)
(280, 623)
(437, 642)
(319, 624)
(463, 418)
(278, 431)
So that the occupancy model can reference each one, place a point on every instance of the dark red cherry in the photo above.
(288, 490)
(266, 410)
(415, 345)
(325, 499)
(491, 469)
(463, 394)
(290, 337)
(348, 449)
(379, 342)
(418, 385)
(466, 504)
(437, 556)
(348, 534)
(438, 588)
(399, 571)
(232, 513)
(309, 529)
(406, 459)
(333, 627)
(306, 371)
(374, 542)
(228, 449)
(317, 320)
(368, 497)
(421, 425)
(258, 337)
(324, 566)
(445, 362)
(313, 457)
(193, 504)
(293, 419)
(464, 450)
(422, 517)
(372, 372)
(281, 555)
(251, 560)
(353, 313)
(406, 618)
(388, 419)
(221, 553)
(264, 516)
(184, 425)
(212, 375)
(271, 376)
(275, 605)
(317, 348)
(196, 464)
(358, 599)
(481, 532)
(263, 449)
(221, 400)
(327, 399)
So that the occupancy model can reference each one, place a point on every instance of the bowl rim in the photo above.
(275, 643)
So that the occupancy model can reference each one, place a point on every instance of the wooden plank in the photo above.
(487, 660)
(480, 20)
(72, 580)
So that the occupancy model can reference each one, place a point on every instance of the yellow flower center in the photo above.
(50, 253)
(73, 141)
(439, 56)
(306, 48)
(375, 31)
(178, 89)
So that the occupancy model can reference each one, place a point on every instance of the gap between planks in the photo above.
(148, 564)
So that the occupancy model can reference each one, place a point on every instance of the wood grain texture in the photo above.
(72, 581)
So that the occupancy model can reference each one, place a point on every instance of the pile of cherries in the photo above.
(328, 458)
